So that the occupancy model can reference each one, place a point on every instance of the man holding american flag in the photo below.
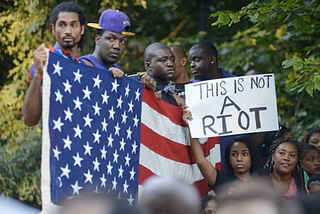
(67, 23)
(101, 133)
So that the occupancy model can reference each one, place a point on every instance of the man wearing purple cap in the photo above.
(111, 39)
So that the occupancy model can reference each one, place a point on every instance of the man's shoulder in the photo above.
(88, 56)
(90, 60)
(226, 74)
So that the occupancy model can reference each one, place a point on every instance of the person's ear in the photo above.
(183, 61)
(147, 66)
(97, 39)
(52, 28)
(82, 29)
(213, 59)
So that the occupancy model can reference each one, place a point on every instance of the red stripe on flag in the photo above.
(144, 173)
(218, 166)
(174, 113)
(165, 147)
(209, 144)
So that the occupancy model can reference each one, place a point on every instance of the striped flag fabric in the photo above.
(165, 145)
(101, 133)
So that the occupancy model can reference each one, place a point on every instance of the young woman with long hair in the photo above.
(241, 160)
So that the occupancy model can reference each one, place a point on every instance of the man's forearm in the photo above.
(32, 106)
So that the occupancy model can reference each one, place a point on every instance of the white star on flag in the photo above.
(77, 76)
(115, 85)
(67, 86)
(58, 124)
(57, 68)
(97, 81)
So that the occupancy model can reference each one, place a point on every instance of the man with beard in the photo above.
(67, 22)
(159, 63)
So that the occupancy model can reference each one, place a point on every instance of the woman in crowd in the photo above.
(241, 160)
(283, 167)
(310, 161)
(313, 137)
(269, 137)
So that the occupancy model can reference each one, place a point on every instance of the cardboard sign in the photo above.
(230, 106)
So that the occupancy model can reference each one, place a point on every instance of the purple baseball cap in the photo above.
(113, 21)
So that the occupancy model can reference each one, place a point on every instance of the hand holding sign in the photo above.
(187, 116)
(232, 106)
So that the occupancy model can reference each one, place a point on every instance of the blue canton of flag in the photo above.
(93, 129)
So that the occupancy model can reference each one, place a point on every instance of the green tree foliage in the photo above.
(22, 30)
(283, 39)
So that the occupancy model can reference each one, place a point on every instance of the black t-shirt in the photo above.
(222, 180)
(226, 181)
(179, 89)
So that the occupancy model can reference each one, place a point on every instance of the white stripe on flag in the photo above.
(155, 121)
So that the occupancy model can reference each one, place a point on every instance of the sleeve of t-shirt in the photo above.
(31, 73)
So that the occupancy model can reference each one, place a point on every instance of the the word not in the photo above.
(260, 82)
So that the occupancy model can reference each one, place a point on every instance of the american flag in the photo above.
(91, 130)
(101, 133)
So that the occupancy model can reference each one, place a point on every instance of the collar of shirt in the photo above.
(61, 52)
(225, 74)
(169, 88)
(160, 85)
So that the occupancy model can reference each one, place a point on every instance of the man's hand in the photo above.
(187, 116)
(117, 73)
(158, 94)
(179, 99)
(40, 59)
(148, 81)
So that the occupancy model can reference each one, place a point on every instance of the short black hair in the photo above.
(208, 48)
(178, 49)
(204, 201)
(70, 7)
(149, 52)
(100, 32)
(305, 148)
(307, 136)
